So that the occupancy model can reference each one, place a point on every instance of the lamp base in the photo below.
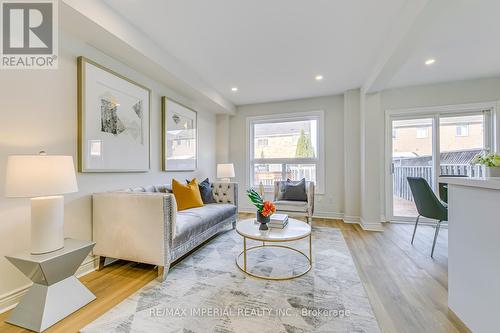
(225, 180)
(47, 224)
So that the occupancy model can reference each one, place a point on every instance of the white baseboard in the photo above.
(322, 215)
(329, 215)
(11, 299)
(352, 219)
(371, 226)
(368, 226)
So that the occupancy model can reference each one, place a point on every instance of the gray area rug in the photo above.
(206, 292)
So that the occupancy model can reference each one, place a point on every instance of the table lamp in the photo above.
(43, 178)
(225, 171)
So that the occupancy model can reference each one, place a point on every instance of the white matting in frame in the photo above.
(114, 121)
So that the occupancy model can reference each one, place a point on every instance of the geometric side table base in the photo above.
(56, 292)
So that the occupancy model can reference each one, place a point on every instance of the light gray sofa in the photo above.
(143, 225)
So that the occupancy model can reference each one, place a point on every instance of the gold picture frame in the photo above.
(169, 106)
(92, 142)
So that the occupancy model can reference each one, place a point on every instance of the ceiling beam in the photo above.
(100, 26)
(405, 36)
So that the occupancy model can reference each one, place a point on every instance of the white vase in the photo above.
(492, 171)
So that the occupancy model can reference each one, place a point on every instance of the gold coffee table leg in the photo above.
(245, 253)
(310, 249)
(280, 278)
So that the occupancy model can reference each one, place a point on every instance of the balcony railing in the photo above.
(400, 184)
(267, 178)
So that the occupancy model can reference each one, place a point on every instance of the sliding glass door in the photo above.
(430, 145)
(412, 156)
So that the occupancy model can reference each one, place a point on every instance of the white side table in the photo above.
(56, 292)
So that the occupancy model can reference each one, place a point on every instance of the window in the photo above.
(422, 132)
(286, 147)
(394, 133)
(262, 142)
(462, 130)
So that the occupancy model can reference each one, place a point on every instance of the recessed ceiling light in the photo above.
(235, 89)
(430, 61)
(318, 77)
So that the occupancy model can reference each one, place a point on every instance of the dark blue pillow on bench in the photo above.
(206, 191)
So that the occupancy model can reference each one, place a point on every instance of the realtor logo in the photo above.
(29, 34)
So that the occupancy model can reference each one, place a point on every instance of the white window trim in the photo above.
(295, 116)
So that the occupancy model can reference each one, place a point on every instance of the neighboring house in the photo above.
(275, 141)
(415, 137)
(284, 141)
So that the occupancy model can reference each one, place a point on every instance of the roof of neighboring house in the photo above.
(453, 157)
(269, 129)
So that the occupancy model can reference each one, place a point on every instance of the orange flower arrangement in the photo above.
(268, 209)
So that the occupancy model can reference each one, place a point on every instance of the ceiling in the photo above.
(270, 50)
(464, 42)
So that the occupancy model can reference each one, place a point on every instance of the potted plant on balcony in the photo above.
(490, 163)
(264, 208)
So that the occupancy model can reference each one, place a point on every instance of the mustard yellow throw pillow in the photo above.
(187, 196)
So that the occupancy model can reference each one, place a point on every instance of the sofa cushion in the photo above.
(193, 221)
(292, 206)
(223, 192)
(187, 196)
(150, 189)
(164, 188)
(206, 192)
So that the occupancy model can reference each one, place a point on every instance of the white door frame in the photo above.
(491, 139)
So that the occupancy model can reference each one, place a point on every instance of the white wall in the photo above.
(371, 125)
(448, 93)
(331, 204)
(352, 156)
(38, 110)
(222, 138)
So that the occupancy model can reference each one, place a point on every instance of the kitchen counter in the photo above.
(490, 183)
(474, 251)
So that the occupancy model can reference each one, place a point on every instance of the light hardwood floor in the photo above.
(407, 289)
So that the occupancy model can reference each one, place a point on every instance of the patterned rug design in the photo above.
(206, 292)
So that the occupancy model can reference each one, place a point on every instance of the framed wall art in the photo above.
(113, 121)
(179, 136)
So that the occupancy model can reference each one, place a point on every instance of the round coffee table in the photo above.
(294, 230)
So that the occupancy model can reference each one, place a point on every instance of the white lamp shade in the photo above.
(225, 170)
(30, 176)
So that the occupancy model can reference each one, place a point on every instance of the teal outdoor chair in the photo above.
(428, 205)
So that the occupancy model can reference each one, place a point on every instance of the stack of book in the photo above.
(278, 221)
